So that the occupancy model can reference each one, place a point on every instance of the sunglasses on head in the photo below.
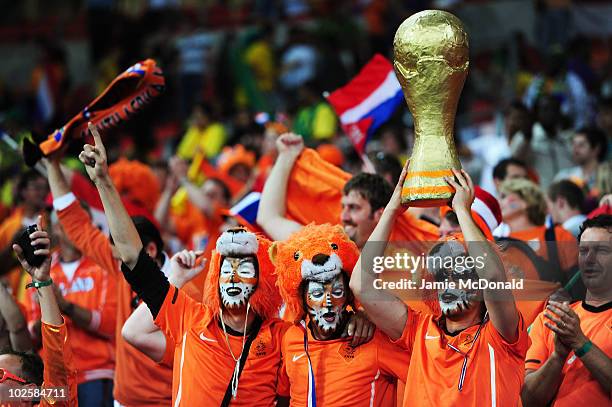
(6, 375)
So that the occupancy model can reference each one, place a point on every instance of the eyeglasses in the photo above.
(6, 375)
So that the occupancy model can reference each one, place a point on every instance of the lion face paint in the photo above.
(326, 302)
(237, 280)
(453, 301)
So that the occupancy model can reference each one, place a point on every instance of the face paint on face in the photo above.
(326, 303)
(237, 281)
(453, 301)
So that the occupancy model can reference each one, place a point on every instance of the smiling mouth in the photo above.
(233, 291)
(448, 297)
(325, 271)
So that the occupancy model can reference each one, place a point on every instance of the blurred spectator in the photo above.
(86, 295)
(203, 134)
(565, 86)
(298, 62)
(314, 120)
(548, 148)
(604, 121)
(492, 148)
(50, 82)
(568, 362)
(524, 211)
(259, 56)
(194, 62)
(31, 191)
(589, 148)
(566, 205)
(510, 168)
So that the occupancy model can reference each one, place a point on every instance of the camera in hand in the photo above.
(25, 243)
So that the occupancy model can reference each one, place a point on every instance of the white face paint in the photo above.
(454, 301)
(326, 302)
(237, 281)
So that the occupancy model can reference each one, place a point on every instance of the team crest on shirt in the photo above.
(347, 352)
(468, 339)
(261, 346)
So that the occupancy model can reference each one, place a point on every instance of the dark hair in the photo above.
(31, 365)
(571, 192)
(451, 217)
(25, 179)
(386, 163)
(373, 187)
(500, 171)
(596, 138)
(227, 194)
(148, 232)
(601, 221)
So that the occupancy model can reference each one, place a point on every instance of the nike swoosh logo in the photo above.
(296, 357)
(431, 337)
(205, 339)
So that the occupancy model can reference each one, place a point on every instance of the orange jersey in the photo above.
(578, 387)
(139, 381)
(90, 288)
(494, 372)
(567, 247)
(59, 369)
(203, 365)
(344, 376)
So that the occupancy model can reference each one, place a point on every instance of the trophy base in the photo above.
(426, 203)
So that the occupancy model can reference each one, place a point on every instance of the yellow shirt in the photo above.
(209, 140)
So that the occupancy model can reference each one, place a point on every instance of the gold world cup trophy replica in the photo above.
(431, 62)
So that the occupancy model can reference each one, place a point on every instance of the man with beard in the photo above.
(227, 349)
(569, 362)
(322, 367)
(473, 353)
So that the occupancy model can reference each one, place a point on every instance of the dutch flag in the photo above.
(367, 101)
(247, 207)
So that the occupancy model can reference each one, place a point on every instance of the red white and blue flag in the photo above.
(367, 101)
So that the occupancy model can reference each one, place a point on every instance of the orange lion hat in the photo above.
(238, 242)
(316, 252)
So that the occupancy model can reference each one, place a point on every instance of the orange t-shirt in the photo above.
(567, 247)
(203, 365)
(494, 372)
(93, 289)
(578, 387)
(139, 381)
(59, 369)
(344, 376)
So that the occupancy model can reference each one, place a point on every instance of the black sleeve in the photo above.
(148, 281)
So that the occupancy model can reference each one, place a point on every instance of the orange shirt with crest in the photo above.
(344, 376)
(494, 373)
(203, 365)
(578, 387)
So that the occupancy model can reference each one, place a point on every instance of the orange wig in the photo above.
(136, 181)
